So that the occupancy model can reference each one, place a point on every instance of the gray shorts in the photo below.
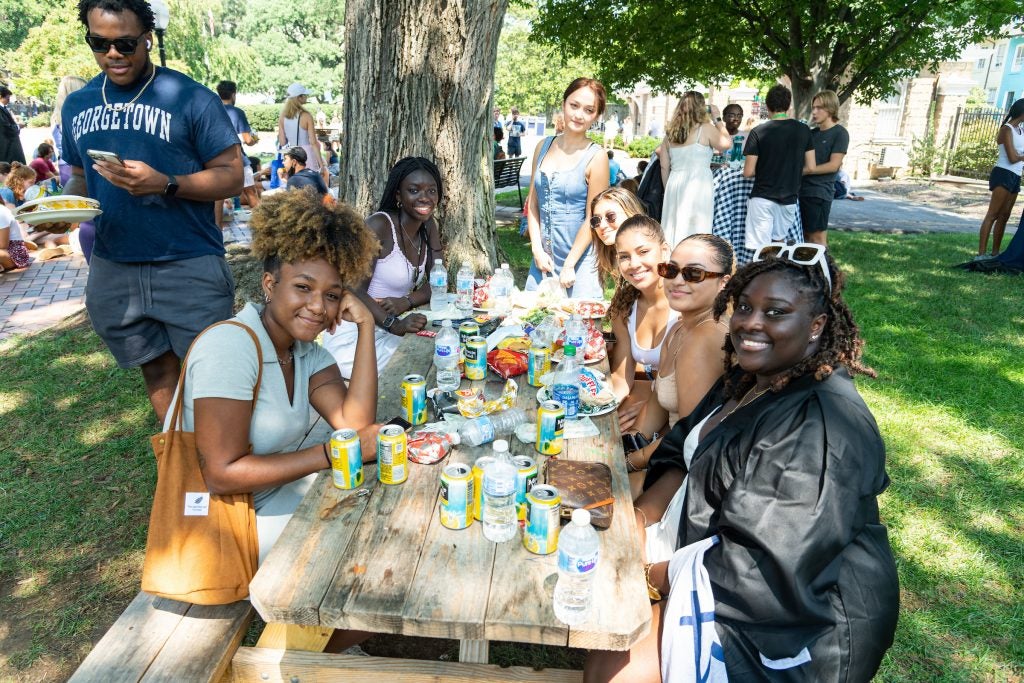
(143, 310)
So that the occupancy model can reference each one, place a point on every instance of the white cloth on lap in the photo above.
(690, 647)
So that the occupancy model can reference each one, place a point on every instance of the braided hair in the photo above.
(402, 169)
(840, 344)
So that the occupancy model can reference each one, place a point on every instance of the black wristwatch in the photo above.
(172, 186)
(389, 321)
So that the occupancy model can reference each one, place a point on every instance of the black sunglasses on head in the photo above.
(670, 271)
(124, 46)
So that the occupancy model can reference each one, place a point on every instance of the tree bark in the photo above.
(418, 81)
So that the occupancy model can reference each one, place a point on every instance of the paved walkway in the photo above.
(46, 292)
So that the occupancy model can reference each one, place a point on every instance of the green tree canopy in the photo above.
(531, 75)
(850, 46)
(49, 52)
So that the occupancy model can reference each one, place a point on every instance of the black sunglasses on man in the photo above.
(124, 46)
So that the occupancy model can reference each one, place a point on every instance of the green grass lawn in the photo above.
(77, 474)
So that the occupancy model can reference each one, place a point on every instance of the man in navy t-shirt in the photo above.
(158, 275)
(300, 177)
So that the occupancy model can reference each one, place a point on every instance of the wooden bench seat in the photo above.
(156, 639)
(262, 664)
(506, 174)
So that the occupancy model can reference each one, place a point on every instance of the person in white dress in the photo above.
(685, 155)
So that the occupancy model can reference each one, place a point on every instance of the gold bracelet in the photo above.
(652, 592)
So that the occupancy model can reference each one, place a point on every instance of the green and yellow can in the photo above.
(550, 428)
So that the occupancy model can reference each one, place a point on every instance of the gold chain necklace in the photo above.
(118, 106)
(741, 402)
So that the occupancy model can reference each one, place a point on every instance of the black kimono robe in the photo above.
(789, 483)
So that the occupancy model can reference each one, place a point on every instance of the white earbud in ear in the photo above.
(148, 44)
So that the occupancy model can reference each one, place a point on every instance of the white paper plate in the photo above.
(544, 394)
(62, 216)
(56, 198)
(558, 356)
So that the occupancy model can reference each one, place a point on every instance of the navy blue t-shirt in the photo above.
(176, 126)
(238, 119)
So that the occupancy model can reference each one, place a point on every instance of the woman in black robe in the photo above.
(786, 471)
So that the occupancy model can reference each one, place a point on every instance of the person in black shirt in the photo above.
(298, 175)
(776, 154)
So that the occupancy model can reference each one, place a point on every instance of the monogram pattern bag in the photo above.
(586, 485)
(201, 547)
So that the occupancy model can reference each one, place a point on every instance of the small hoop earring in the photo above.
(266, 298)
(814, 337)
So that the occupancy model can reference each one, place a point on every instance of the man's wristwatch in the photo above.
(389, 321)
(172, 186)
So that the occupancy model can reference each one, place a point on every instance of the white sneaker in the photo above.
(982, 257)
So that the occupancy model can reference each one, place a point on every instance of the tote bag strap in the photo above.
(178, 415)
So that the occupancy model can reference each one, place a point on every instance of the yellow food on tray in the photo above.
(515, 344)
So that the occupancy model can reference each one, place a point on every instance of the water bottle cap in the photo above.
(581, 517)
(569, 350)
(501, 446)
(437, 262)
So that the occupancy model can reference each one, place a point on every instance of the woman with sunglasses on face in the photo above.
(691, 355)
(568, 172)
(608, 210)
(640, 314)
(409, 242)
(783, 464)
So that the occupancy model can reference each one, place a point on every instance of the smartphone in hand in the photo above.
(100, 155)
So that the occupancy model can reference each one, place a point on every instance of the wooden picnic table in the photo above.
(378, 558)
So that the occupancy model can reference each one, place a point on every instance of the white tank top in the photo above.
(647, 357)
(1017, 139)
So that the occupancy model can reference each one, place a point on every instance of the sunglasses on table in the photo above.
(670, 271)
(595, 220)
(124, 46)
(802, 253)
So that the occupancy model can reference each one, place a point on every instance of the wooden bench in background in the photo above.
(506, 174)
(156, 639)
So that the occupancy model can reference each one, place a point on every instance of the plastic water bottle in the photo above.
(501, 290)
(579, 549)
(737, 149)
(438, 286)
(575, 332)
(481, 430)
(446, 357)
(499, 513)
(464, 289)
(565, 386)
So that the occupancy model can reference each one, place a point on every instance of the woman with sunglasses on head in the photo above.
(409, 242)
(607, 211)
(639, 313)
(568, 172)
(783, 463)
(691, 354)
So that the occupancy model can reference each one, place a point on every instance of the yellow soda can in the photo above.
(478, 484)
(346, 459)
(392, 455)
(542, 520)
(414, 399)
(550, 428)
(456, 508)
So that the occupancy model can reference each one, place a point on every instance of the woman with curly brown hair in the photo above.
(311, 255)
(783, 463)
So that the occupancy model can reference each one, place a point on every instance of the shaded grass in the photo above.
(509, 198)
(76, 473)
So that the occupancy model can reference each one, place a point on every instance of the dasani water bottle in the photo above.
(446, 357)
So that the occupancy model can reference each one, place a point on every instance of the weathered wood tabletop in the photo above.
(378, 558)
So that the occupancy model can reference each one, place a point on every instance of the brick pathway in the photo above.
(46, 292)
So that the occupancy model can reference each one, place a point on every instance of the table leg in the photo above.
(292, 637)
(474, 651)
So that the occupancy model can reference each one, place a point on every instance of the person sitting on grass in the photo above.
(43, 165)
(311, 255)
(13, 252)
(776, 473)
(15, 192)
(409, 242)
(300, 177)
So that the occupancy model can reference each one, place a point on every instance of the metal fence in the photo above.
(972, 141)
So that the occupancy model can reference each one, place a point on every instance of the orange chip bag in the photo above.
(507, 363)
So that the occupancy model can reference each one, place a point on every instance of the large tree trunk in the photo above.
(418, 80)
